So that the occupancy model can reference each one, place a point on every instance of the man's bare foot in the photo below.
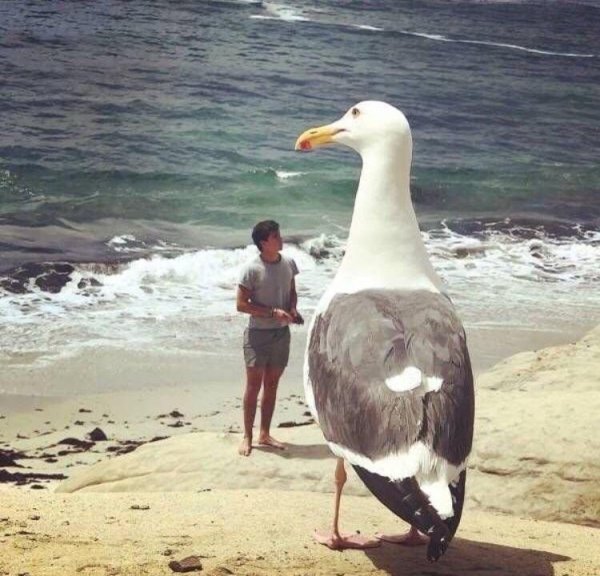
(411, 538)
(345, 541)
(267, 440)
(245, 447)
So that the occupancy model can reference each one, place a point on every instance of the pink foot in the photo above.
(245, 447)
(345, 541)
(270, 441)
(411, 538)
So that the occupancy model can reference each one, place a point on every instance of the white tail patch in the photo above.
(410, 378)
(439, 495)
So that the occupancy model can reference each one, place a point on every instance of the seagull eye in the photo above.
(355, 112)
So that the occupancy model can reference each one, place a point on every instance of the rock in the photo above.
(140, 507)
(176, 414)
(97, 435)
(188, 564)
(8, 457)
(292, 424)
(177, 424)
(82, 444)
(84, 410)
(157, 438)
(53, 281)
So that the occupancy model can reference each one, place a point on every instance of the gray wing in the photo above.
(364, 338)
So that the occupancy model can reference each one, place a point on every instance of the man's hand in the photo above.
(296, 316)
(282, 316)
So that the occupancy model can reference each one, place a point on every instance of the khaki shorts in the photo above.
(269, 347)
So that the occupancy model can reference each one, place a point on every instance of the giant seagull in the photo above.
(387, 372)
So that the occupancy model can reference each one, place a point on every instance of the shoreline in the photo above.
(218, 375)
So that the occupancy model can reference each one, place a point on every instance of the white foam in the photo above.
(188, 301)
(281, 12)
(283, 175)
(442, 38)
(367, 27)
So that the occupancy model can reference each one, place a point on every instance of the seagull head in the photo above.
(367, 126)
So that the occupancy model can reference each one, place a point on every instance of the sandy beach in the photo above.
(167, 482)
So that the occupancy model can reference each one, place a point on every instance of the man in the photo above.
(266, 291)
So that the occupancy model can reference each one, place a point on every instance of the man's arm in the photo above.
(244, 304)
(296, 316)
(293, 298)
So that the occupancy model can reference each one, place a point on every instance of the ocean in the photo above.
(141, 141)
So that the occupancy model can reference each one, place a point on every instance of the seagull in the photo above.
(387, 374)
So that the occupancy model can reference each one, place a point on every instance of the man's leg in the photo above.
(267, 405)
(254, 378)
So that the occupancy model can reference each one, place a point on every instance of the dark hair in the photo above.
(263, 230)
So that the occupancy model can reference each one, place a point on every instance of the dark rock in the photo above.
(21, 478)
(13, 286)
(8, 457)
(188, 564)
(97, 435)
(292, 424)
(52, 281)
(84, 410)
(78, 423)
(125, 447)
(82, 444)
(177, 424)
(63, 268)
(140, 507)
(176, 414)
(37, 487)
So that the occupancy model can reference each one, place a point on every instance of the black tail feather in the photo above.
(457, 491)
(406, 499)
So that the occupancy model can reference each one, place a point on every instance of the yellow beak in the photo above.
(315, 137)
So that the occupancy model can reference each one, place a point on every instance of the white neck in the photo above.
(385, 248)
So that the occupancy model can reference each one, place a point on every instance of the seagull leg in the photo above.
(334, 539)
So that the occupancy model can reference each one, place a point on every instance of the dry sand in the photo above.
(250, 532)
(535, 459)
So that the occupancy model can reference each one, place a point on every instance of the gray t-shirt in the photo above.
(270, 285)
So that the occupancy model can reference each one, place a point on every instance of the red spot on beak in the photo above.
(305, 145)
